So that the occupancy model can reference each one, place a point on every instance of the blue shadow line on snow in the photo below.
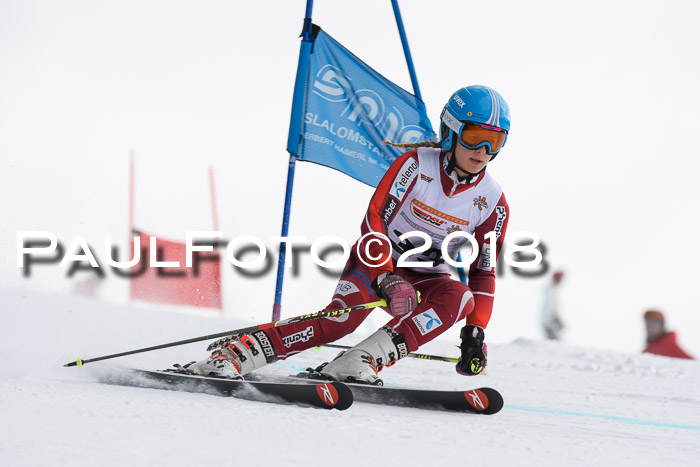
(635, 421)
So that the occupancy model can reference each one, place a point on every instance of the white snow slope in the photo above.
(564, 405)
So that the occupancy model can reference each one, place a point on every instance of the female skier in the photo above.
(431, 192)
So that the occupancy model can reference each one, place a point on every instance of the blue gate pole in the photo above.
(416, 89)
(406, 49)
(293, 141)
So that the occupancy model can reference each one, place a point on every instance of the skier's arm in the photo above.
(397, 182)
(482, 275)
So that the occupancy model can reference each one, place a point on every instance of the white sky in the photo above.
(600, 161)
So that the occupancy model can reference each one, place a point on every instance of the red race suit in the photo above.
(416, 195)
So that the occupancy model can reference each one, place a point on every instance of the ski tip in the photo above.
(335, 395)
(487, 401)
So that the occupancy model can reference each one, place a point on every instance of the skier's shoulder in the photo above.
(488, 183)
(410, 154)
(490, 201)
(422, 155)
(428, 153)
(406, 164)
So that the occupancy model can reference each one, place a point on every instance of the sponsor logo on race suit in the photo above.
(480, 202)
(345, 288)
(408, 172)
(500, 220)
(301, 336)
(427, 321)
(390, 209)
(425, 217)
(484, 262)
(435, 217)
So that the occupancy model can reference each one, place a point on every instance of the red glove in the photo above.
(399, 294)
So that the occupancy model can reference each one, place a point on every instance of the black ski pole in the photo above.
(275, 324)
(414, 355)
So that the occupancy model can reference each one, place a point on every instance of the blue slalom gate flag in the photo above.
(350, 110)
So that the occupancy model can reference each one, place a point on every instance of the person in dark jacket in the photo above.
(659, 340)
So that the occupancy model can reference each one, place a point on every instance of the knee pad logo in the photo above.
(427, 321)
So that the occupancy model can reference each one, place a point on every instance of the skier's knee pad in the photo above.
(439, 314)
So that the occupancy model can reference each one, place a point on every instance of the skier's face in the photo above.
(471, 160)
(655, 328)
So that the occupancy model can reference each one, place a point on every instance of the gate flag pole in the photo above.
(293, 142)
(416, 89)
(406, 49)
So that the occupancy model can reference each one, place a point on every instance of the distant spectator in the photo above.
(659, 340)
(551, 319)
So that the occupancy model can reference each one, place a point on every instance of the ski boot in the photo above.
(235, 356)
(361, 363)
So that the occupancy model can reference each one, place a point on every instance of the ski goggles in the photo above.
(475, 135)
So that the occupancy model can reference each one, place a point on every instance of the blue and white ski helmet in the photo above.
(478, 104)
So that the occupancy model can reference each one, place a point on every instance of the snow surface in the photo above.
(565, 405)
(188, 86)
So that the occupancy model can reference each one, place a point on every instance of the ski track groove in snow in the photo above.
(565, 405)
